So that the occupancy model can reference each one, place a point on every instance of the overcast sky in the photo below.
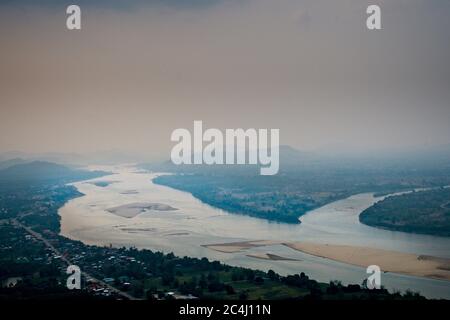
(137, 71)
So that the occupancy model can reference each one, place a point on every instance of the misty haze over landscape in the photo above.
(137, 71)
(88, 181)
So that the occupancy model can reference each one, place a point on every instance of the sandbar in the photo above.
(388, 261)
(131, 210)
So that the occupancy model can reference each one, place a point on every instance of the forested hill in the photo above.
(305, 181)
(426, 212)
(44, 171)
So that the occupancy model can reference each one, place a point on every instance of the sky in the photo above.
(137, 70)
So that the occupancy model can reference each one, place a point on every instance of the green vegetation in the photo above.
(426, 212)
(41, 171)
(284, 197)
(29, 263)
(306, 181)
(150, 275)
(141, 274)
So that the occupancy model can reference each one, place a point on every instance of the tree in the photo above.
(229, 289)
(272, 275)
(259, 280)
(243, 296)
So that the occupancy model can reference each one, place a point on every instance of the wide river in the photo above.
(194, 224)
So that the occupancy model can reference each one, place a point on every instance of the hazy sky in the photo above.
(137, 71)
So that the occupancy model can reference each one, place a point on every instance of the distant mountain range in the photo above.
(21, 170)
(291, 159)
(11, 162)
(100, 157)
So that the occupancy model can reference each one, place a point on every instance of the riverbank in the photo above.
(388, 261)
(423, 212)
(197, 224)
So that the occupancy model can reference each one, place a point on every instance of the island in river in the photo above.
(288, 196)
(426, 212)
(131, 210)
(102, 184)
(31, 246)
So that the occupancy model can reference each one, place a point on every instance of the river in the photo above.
(194, 224)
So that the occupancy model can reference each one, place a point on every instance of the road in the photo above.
(39, 237)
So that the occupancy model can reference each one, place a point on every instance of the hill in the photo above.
(45, 171)
(426, 212)
(305, 181)
(11, 162)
